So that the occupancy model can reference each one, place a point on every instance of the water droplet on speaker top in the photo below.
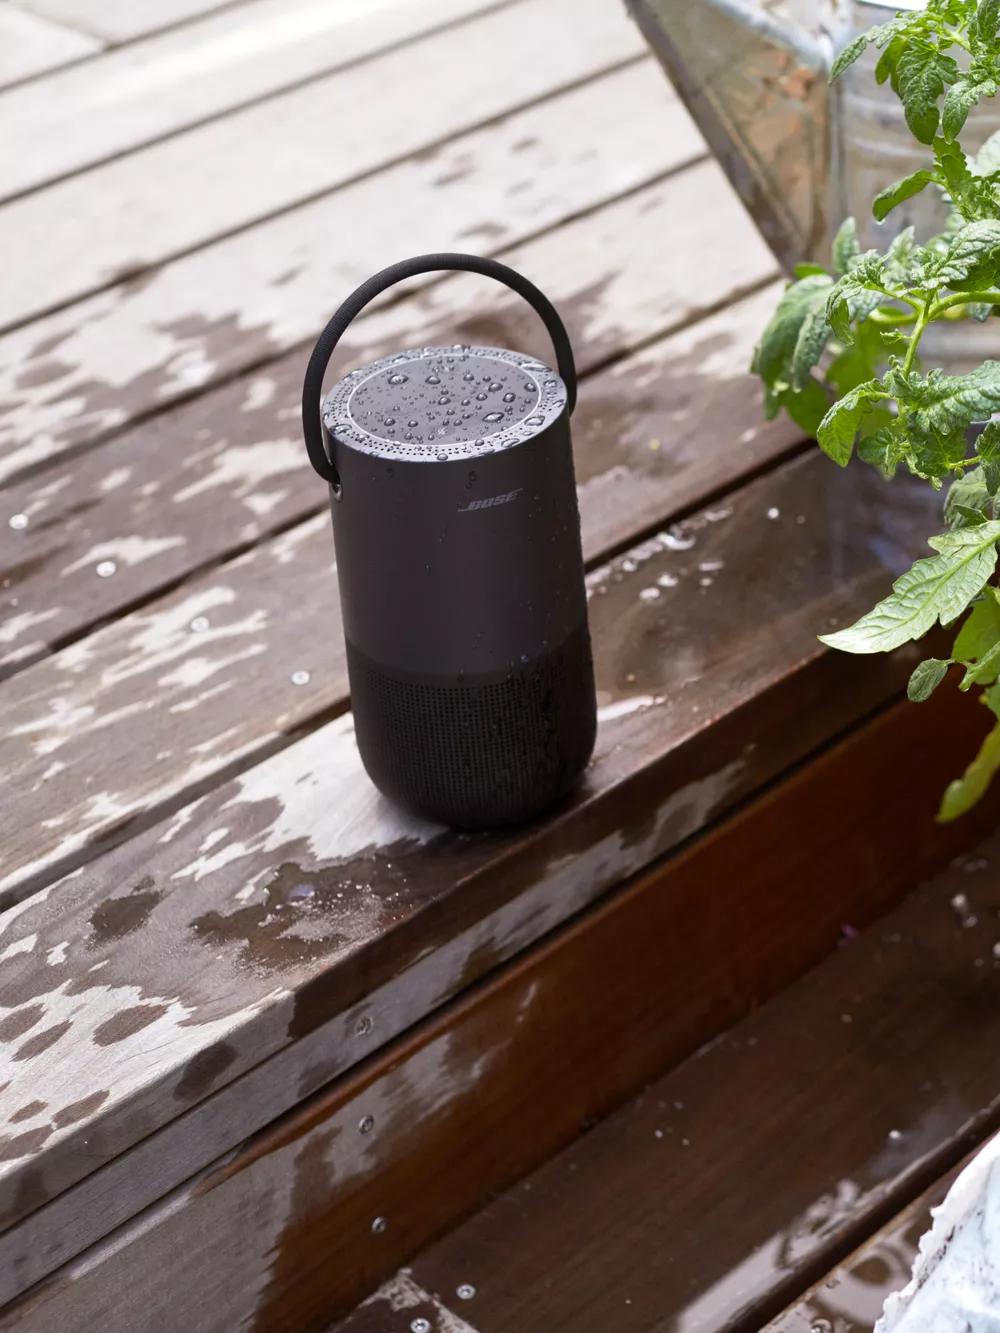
(466, 402)
(433, 379)
(398, 378)
(468, 375)
(413, 424)
(495, 385)
(442, 458)
(509, 397)
(444, 400)
(493, 416)
(388, 421)
(481, 397)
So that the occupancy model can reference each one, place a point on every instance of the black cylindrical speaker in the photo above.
(458, 553)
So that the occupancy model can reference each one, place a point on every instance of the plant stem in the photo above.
(964, 298)
(890, 319)
(958, 39)
(923, 319)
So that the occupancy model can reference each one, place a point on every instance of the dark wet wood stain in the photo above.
(19, 1021)
(13, 1146)
(203, 1070)
(115, 918)
(41, 1041)
(69, 1115)
(27, 1112)
(127, 1022)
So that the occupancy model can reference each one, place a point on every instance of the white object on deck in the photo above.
(955, 1287)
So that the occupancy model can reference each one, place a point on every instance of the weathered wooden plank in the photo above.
(222, 655)
(850, 1299)
(214, 474)
(30, 45)
(290, 898)
(76, 375)
(514, 1068)
(143, 92)
(742, 1176)
(136, 211)
(123, 20)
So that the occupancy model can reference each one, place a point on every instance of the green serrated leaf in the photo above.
(967, 500)
(980, 629)
(773, 355)
(922, 73)
(935, 589)
(846, 250)
(900, 191)
(946, 404)
(807, 407)
(959, 101)
(808, 270)
(839, 428)
(927, 676)
(885, 68)
(854, 296)
(962, 794)
(987, 160)
(984, 27)
(983, 672)
(988, 442)
(814, 335)
(849, 54)
(973, 252)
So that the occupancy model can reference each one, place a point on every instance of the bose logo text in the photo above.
(491, 502)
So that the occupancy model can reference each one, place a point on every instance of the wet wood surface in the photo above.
(850, 1299)
(213, 931)
(223, 471)
(132, 226)
(741, 1177)
(515, 1068)
(271, 908)
(69, 379)
(152, 89)
(232, 636)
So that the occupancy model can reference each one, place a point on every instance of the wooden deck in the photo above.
(264, 1039)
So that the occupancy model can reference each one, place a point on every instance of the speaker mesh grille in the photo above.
(478, 754)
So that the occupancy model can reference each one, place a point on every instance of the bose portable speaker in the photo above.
(458, 553)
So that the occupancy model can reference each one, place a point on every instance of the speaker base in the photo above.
(482, 752)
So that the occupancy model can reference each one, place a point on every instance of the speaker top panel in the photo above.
(438, 404)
